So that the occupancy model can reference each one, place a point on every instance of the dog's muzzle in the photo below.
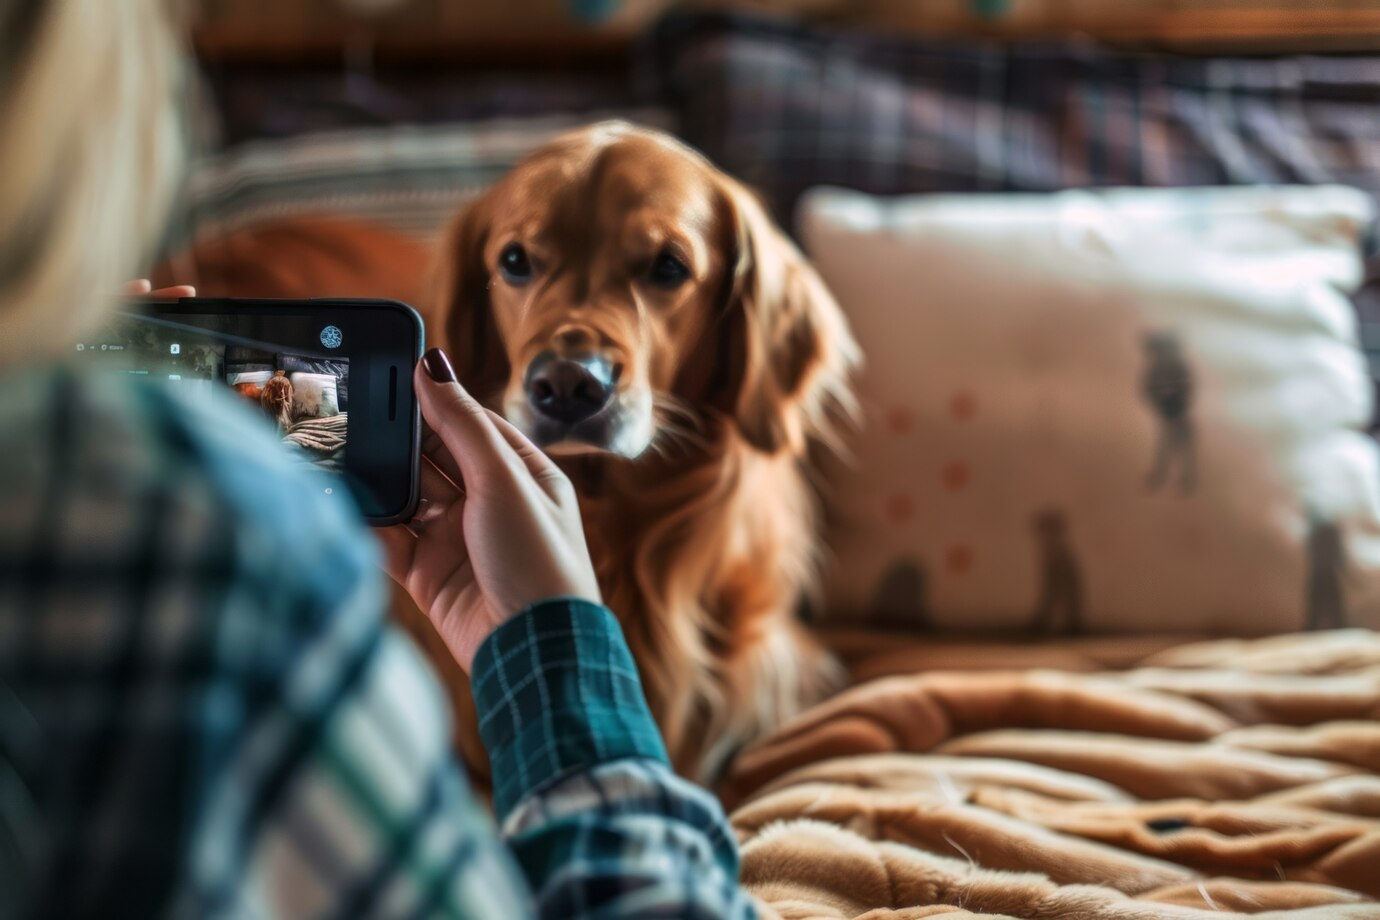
(570, 397)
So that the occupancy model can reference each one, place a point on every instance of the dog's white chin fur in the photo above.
(632, 433)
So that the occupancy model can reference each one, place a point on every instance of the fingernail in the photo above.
(438, 366)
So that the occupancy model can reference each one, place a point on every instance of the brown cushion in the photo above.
(302, 257)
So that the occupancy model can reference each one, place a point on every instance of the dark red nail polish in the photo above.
(438, 366)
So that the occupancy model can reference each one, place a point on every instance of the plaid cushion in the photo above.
(252, 102)
(786, 108)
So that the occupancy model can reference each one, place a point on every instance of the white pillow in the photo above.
(1015, 472)
(314, 395)
(257, 378)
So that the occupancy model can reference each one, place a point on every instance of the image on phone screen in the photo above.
(306, 397)
(331, 382)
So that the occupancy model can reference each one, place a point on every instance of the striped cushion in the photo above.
(411, 178)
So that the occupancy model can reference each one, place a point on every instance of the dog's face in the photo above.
(614, 288)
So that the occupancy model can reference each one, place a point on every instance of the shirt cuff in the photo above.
(556, 691)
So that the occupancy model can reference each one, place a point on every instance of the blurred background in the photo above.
(338, 137)
(395, 110)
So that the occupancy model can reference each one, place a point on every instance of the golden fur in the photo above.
(704, 537)
(276, 399)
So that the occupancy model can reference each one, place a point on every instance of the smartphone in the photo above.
(332, 377)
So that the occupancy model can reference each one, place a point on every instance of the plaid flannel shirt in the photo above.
(203, 711)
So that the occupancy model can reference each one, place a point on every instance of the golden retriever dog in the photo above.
(636, 313)
(276, 400)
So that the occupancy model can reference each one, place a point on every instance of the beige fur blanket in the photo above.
(1215, 779)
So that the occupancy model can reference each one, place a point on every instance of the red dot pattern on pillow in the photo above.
(900, 508)
(963, 406)
(959, 559)
(900, 420)
(956, 476)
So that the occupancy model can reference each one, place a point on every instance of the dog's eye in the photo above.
(514, 264)
(667, 271)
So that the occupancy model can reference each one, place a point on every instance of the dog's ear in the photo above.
(785, 350)
(461, 319)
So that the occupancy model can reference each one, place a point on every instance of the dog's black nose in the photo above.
(569, 390)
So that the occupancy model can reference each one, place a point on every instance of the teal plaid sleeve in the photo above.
(600, 825)
(557, 690)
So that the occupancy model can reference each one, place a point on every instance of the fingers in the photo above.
(464, 427)
(175, 292)
(144, 287)
(437, 494)
(437, 486)
(543, 469)
(434, 451)
(472, 436)
(399, 548)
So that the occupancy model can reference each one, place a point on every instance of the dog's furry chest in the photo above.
(704, 565)
(731, 534)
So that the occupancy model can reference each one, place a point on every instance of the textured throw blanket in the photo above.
(1217, 779)
(321, 441)
(322, 436)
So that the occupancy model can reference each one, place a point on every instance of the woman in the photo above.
(202, 708)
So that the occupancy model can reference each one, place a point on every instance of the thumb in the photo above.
(462, 424)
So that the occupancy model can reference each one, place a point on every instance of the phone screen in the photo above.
(332, 380)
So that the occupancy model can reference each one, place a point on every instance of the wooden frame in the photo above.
(545, 33)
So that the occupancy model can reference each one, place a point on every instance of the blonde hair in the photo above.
(90, 158)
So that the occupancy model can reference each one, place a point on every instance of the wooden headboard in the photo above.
(1262, 24)
(550, 33)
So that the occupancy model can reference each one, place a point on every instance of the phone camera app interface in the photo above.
(304, 394)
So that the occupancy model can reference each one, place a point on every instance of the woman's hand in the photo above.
(144, 288)
(498, 528)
